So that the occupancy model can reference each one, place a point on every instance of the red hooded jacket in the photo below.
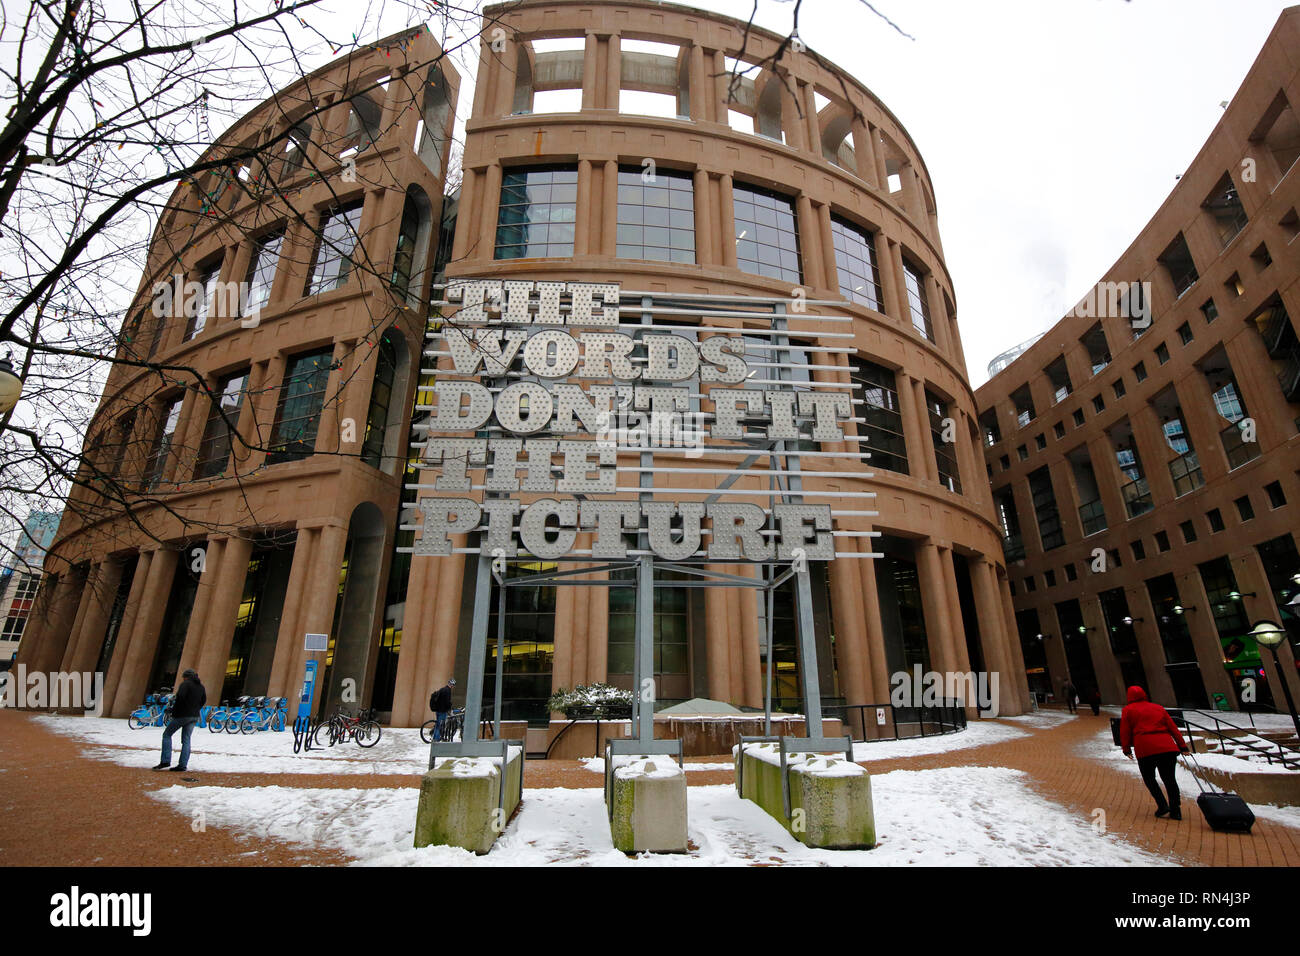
(1147, 728)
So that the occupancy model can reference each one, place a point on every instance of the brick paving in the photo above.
(60, 808)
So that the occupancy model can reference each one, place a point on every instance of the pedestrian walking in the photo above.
(1147, 729)
(186, 707)
(440, 704)
(1070, 695)
(1094, 701)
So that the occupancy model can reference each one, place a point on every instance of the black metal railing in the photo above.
(906, 722)
(1093, 516)
(1273, 751)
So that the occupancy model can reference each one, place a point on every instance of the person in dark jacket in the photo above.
(1094, 701)
(1147, 728)
(186, 707)
(440, 704)
(1069, 693)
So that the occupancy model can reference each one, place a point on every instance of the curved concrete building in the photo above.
(711, 172)
(1150, 439)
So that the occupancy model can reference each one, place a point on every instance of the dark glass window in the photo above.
(297, 415)
(198, 308)
(332, 261)
(916, 301)
(1245, 510)
(529, 651)
(408, 236)
(1276, 496)
(1139, 550)
(1045, 510)
(214, 451)
(767, 235)
(1188, 531)
(656, 219)
(381, 399)
(261, 271)
(883, 426)
(945, 452)
(1215, 517)
(537, 213)
(162, 445)
(855, 264)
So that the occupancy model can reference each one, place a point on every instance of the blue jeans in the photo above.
(442, 722)
(186, 726)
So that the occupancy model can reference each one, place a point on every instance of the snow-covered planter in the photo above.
(593, 701)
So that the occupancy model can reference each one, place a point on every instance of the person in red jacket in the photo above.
(1147, 728)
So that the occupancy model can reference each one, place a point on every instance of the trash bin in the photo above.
(1221, 702)
(1114, 731)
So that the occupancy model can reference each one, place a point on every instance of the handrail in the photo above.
(1285, 755)
(949, 712)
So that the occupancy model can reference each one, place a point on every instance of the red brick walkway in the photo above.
(60, 808)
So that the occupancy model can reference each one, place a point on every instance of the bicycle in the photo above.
(362, 728)
(270, 715)
(154, 712)
(454, 725)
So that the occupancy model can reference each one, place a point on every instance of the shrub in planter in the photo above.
(593, 701)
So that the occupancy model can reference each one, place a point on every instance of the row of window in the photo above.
(656, 221)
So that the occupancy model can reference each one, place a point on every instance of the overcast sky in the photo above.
(1052, 129)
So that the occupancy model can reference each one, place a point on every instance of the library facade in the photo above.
(624, 162)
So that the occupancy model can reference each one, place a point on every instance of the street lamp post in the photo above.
(1271, 635)
(11, 386)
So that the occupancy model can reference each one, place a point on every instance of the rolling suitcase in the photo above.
(1224, 812)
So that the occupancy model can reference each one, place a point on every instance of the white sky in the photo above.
(1052, 129)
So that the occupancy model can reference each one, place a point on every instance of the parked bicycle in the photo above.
(362, 728)
(454, 725)
(268, 714)
(154, 712)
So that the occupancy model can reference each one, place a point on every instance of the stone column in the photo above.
(809, 239)
(1109, 679)
(721, 87)
(699, 87)
(1013, 641)
(934, 600)
(129, 614)
(223, 609)
(143, 643)
(212, 564)
(792, 125)
(609, 210)
(812, 121)
(1205, 636)
(913, 432)
(582, 222)
(491, 200)
(877, 661)
(752, 666)
(922, 410)
(851, 634)
(961, 655)
(1154, 453)
(717, 643)
(590, 76)
(283, 683)
(613, 72)
(882, 168)
(727, 220)
(993, 636)
(88, 599)
(938, 316)
(704, 231)
(1147, 630)
(832, 276)
(316, 613)
(1202, 423)
(1106, 469)
(895, 286)
(864, 149)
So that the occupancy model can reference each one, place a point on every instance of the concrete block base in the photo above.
(458, 801)
(649, 805)
(830, 798)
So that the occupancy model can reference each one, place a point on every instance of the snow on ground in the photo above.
(1042, 719)
(978, 733)
(399, 750)
(962, 816)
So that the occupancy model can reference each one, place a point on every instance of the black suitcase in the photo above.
(1224, 812)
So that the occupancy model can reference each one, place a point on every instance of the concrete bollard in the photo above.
(459, 798)
(830, 798)
(648, 805)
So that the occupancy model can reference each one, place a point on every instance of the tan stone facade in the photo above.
(824, 197)
(1158, 465)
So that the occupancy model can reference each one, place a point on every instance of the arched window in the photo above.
(381, 401)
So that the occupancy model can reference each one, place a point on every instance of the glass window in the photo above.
(855, 264)
(197, 310)
(916, 301)
(162, 444)
(332, 262)
(404, 257)
(656, 219)
(261, 271)
(883, 426)
(381, 399)
(767, 236)
(945, 452)
(535, 219)
(214, 451)
(297, 415)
